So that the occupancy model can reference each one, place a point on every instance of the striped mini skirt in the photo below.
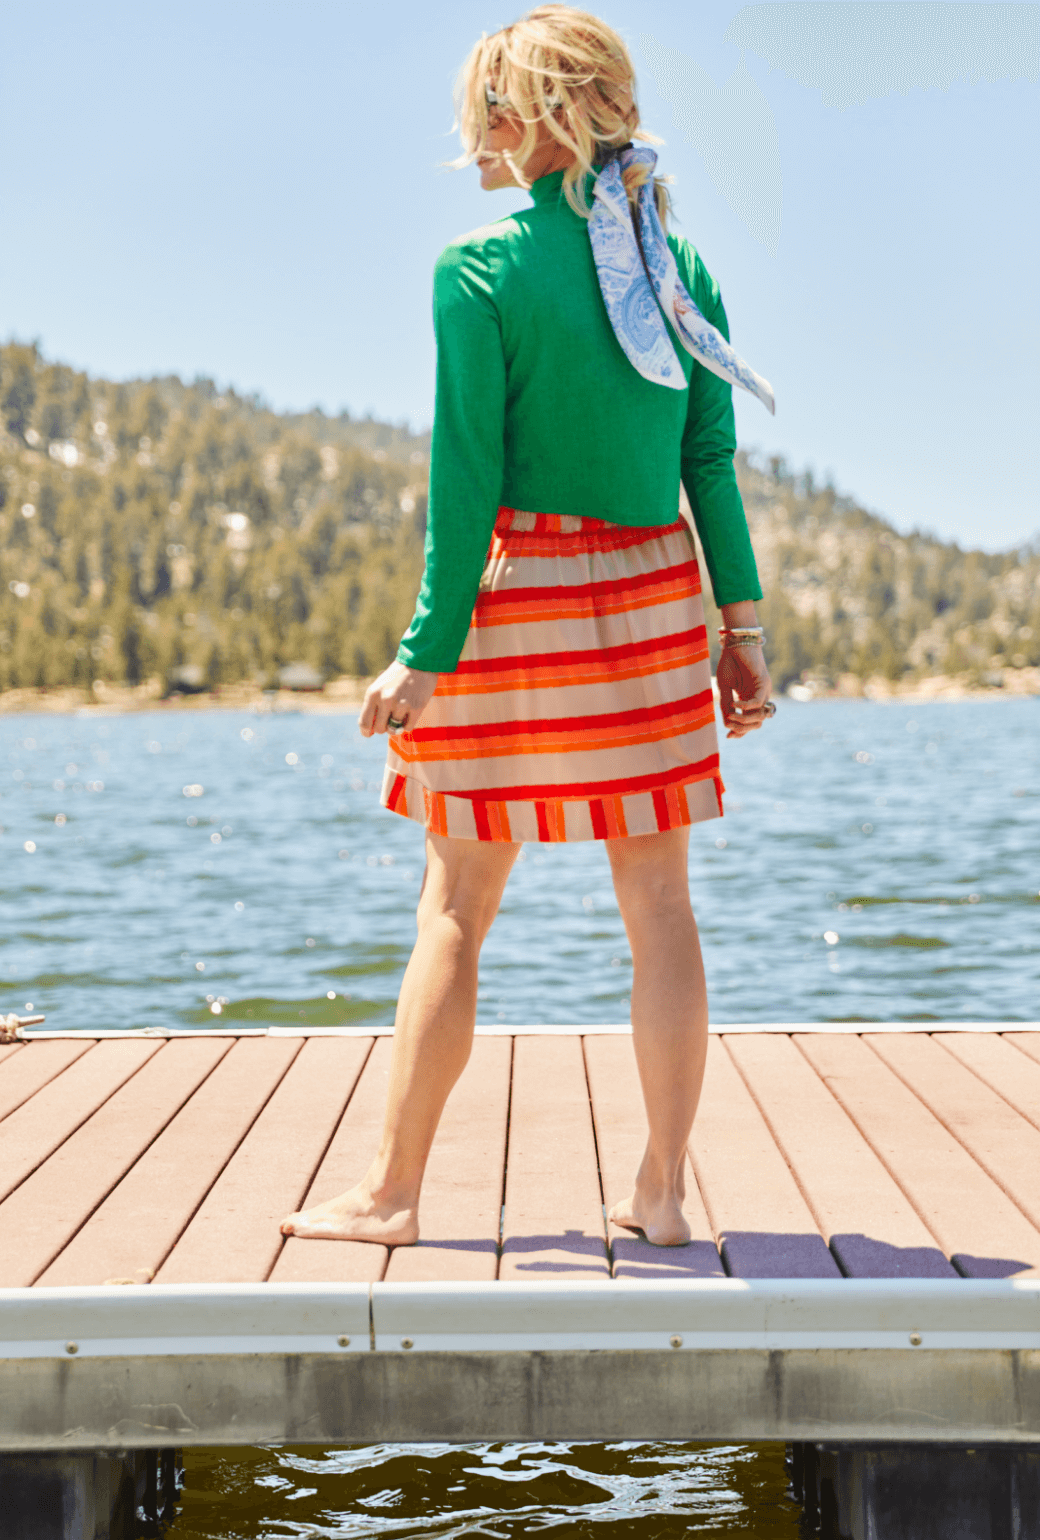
(581, 707)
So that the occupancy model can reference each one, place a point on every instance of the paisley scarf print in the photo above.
(636, 309)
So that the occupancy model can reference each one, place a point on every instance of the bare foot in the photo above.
(662, 1222)
(356, 1216)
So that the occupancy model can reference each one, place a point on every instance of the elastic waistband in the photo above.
(520, 521)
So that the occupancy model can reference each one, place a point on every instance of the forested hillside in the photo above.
(156, 524)
(153, 525)
(847, 595)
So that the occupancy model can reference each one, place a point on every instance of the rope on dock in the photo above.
(11, 1027)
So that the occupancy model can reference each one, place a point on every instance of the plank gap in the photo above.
(230, 1154)
(104, 1197)
(505, 1162)
(599, 1168)
(875, 1145)
(305, 1188)
(977, 1156)
(817, 1216)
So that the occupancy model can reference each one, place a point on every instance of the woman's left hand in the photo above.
(400, 692)
(744, 688)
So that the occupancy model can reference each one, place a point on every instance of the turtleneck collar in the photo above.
(547, 187)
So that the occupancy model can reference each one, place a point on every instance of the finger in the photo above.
(725, 696)
(368, 712)
(748, 720)
(746, 717)
(740, 708)
(762, 686)
(384, 711)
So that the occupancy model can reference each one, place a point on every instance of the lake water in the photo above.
(177, 869)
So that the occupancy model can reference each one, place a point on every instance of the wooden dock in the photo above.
(863, 1278)
(860, 1154)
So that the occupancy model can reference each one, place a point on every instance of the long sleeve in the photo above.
(466, 459)
(708, 446)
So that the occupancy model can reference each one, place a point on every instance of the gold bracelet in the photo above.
(744, 641)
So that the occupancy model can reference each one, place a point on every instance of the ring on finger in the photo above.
(395, 724)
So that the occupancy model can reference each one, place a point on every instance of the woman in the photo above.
(554, 683)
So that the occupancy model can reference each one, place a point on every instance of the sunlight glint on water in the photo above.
(278, 890)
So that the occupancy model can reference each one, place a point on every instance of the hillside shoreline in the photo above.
(345, 695)
(163, 537)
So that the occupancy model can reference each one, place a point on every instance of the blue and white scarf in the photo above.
(636, 309)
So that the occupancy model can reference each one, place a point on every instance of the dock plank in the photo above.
(23, 1074)
(234, 1236)
(619, 1115)
(1026, 1042)
(553, 1224)
(462, 1191)
(868, 1222)
(136, 1227)
(997, 1061)
(42, 1124)
(41, 1217)
(347, 1159)
(983, 1233)
(764, 1225)
(1004, 1143)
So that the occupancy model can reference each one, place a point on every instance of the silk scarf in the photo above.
(639, 293)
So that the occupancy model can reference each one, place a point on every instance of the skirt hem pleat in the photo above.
(554, 820)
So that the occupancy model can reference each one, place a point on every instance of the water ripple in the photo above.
(272, 878)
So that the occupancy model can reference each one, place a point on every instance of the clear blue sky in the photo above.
(250, 189)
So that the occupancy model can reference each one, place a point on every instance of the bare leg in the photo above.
(669, 1022)
(433, 1035)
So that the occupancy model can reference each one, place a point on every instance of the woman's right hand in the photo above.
(744, 688)
(400, 692)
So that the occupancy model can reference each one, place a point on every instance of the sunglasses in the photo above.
(493, 99)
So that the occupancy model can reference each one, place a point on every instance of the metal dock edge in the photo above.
(134, 1367)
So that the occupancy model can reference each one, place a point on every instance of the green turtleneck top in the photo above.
(538, 408)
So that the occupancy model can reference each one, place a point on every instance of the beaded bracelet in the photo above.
(742, 636)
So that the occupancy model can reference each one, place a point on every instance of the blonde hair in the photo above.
(569, 70)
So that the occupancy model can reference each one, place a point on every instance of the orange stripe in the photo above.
(570, 742)
(613, 816)
(519, 677)
(601, 588)
(620, 652)
(626, 786)
(498, 819)
(521, 542)
(436, 811)
(528, 611)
